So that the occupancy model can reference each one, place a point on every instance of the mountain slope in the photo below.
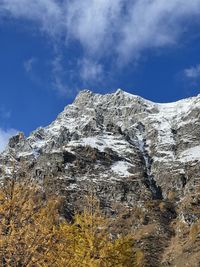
(126, 149)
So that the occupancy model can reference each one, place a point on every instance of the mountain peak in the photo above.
(120, 91)
(85, 91)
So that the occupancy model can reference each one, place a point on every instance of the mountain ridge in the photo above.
(90, 113)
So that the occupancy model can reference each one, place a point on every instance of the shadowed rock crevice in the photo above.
(149, 179)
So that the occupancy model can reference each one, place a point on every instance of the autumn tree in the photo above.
(87, 242)
(27, 224)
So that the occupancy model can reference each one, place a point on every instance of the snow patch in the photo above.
(121, 168)
(190, 154)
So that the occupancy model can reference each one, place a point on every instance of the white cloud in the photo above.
(47, 13)
(192, 72)
(155, 24)
(90, 70)
(94, 23)
(124, 29)
(4, 137)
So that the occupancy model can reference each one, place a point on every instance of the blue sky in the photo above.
(51, 49)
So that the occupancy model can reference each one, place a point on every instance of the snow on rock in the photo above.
(101, 142)
(190, 154)
(92, 120)
(121, 168)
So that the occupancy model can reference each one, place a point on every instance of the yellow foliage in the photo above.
(139, 255)
(32, 233)
(27, 224)
(88, 243)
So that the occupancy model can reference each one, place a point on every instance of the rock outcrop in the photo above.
(127, 150)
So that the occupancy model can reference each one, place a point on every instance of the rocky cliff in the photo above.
(131, 152)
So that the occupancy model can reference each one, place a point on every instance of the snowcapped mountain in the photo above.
(127, 150)
(143, 140)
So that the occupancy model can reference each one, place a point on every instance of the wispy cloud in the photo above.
(28, 64)
(122, 30)
(4, 137)
(46, 13)
(90, 70)
(192, 72)
(59, 73)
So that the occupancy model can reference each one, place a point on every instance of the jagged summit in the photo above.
(119, 91)
(165, 134)
(124, 110)
(120, 95)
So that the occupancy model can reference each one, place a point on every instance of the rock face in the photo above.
(125, 148)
